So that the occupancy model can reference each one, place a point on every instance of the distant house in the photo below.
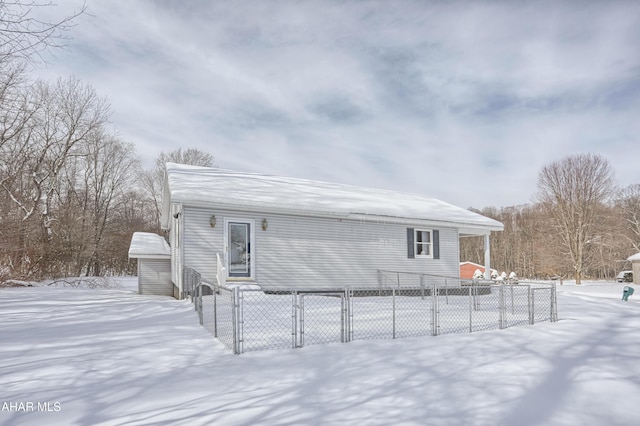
(635, 265)
(284, 232)
(468, 269)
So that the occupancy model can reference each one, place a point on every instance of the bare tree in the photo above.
(573, 191)
(152, 180)
(58, 117)
(628, 204)
(99, 177)
(24, 36)
(132, 214)
(524, 246)
(63, 115)
(14, 111)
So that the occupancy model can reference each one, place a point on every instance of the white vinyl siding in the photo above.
(314, 252)
(201, 242)
(154, 277)
(325, 252)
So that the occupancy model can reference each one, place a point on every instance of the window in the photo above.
(423, 243)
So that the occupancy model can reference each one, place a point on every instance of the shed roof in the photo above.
(472, 264)
(149, 245)
(220, 188)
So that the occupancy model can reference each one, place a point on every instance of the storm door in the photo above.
(239, 245)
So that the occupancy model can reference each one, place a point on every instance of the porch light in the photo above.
(212, 221)
(265, 224)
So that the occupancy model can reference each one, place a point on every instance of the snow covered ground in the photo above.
(77, 356)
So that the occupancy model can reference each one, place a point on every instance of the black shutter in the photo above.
(436, 244)
(410, 249)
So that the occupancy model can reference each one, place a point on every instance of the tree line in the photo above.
(72, 192)
(580, 226)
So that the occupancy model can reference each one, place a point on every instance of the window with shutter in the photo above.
(423, 243)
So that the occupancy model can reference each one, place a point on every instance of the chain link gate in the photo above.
(322, 318)
(543, 305)
(281, 319)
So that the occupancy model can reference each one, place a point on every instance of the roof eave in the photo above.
(465, 228)
(149, 256)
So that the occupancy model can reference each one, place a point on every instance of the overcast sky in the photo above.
(462, 101)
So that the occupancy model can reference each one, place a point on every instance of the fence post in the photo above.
(301, 321)
(513, 309)
(554, 304)
(196, 285)
(192, 285)
(501, 309)
(184, 282)
(446, 290)
(235, 305)
(470, 311)
(434, 310)
(393, 311)
(532, 305)
(350, 316)
(233, 321)
(216, 288)
(294, 319)
(189, 287)
(343, 314)
(199, 303)
(475, 296)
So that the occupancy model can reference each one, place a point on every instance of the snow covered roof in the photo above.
(634, 257)
(472, 263)
(148, 245)
(220, 188)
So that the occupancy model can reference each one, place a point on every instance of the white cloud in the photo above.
(464, 101)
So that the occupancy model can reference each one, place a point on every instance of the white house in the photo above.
(284, 232)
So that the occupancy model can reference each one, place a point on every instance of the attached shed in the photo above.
(635, 266)
(154, 264)
(283, 232)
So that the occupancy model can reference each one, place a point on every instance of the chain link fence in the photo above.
(403, 305)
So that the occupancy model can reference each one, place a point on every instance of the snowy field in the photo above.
(74, 356)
